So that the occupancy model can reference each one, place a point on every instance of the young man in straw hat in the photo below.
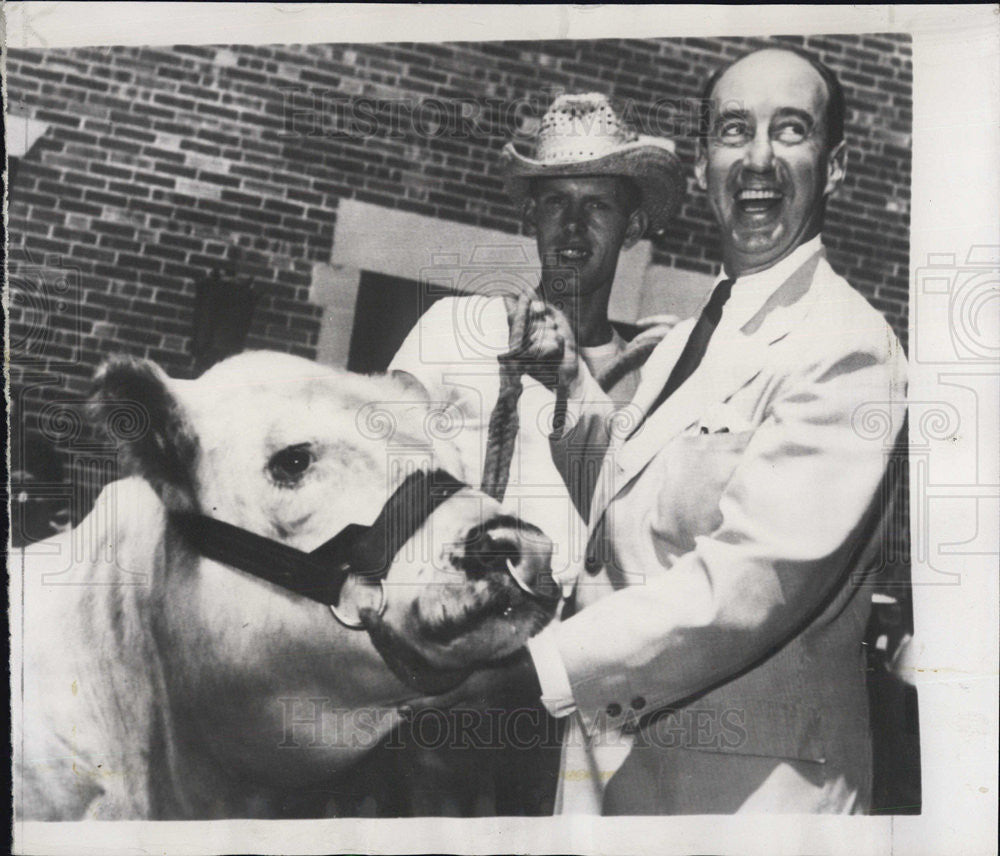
(592, 187)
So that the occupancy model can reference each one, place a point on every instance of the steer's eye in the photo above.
(290, 464)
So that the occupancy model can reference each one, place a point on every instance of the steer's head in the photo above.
(295, 451)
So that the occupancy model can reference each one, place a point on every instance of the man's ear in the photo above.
(638, 222)
(836, 167)
(133, 400)
(701, 165)
(528, 222)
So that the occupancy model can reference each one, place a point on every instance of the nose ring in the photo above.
(527, 589)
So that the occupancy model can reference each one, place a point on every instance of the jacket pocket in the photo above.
(692, 474)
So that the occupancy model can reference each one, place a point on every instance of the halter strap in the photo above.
(357, 549)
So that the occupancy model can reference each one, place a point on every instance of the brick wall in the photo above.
(162, 165)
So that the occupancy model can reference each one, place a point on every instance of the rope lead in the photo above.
(504, 422)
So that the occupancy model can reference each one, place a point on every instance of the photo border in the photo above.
(954, 226)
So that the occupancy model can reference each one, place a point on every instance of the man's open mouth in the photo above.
(759, 200)
(573, 255)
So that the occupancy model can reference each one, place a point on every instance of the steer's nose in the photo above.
(509, 545)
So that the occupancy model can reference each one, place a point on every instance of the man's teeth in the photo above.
(759, 194)
(574, 253)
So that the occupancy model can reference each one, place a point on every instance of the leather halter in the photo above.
(365, 551)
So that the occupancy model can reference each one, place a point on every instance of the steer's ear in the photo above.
(133, 400)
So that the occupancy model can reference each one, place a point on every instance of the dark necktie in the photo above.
(695, 348)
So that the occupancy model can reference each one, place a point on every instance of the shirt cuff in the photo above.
(557, 694)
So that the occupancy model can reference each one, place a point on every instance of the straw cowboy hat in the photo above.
(584, 135)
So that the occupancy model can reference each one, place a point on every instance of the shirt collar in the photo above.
(751, 290)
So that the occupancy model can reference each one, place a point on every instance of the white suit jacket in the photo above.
(719, 592)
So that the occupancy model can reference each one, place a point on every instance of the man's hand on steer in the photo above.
(548, 350)
(511, 683)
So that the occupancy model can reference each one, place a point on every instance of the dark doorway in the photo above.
(386, 310)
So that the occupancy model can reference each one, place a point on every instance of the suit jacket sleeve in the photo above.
(788, 512)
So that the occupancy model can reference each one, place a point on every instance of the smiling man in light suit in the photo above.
(714, 663)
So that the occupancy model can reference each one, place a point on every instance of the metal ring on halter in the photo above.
(357, 625)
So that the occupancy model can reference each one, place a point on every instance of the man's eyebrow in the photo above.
(731, 113)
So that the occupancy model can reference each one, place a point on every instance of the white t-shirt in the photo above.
(453, 352)
(600, 357)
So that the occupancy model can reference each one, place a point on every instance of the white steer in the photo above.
(158, 684)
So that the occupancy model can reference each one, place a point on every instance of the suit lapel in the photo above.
(722, 372)
(732, 360)
(654, 375)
